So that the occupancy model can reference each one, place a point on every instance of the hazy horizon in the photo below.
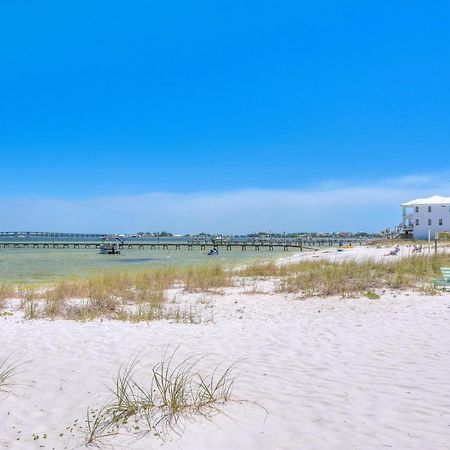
(368, 207)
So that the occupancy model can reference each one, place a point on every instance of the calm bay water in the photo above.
(35, 265)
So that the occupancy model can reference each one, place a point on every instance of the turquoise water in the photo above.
(36, 265)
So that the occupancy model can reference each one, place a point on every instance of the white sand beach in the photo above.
(320, 373)
(361, 253)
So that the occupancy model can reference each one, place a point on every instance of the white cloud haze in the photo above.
(331, 207)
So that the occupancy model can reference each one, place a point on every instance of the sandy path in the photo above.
(332, 373)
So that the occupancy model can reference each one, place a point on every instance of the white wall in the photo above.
(437, 212)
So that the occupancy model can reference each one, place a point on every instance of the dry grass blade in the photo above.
(98, 426)
(214, 389)
(8, 370)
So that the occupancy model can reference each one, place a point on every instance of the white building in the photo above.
(425, 215)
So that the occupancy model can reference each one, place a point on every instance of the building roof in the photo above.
(434, 200)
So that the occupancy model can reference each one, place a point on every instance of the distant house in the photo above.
(425, 216)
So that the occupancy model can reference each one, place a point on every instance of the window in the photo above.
(440, 222)
(429, 209)
(417, 209)
(429, 221)
(417, 222)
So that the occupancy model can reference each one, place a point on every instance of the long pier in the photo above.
(152, 246)
(287, 245)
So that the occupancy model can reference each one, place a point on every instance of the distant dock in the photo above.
(47, 235)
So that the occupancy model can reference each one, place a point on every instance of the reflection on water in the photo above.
(135, 260)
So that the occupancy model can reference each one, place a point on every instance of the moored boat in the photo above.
(110, 248)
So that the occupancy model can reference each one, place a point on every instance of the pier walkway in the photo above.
(297, 245)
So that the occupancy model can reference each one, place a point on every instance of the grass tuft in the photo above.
(205, 278)
(172, 391)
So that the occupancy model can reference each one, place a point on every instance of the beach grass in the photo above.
(134, 296)
(171, 391)
(148, 295)
(325, 278)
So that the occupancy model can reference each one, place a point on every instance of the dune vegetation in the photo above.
(151, 294)
(324, 278)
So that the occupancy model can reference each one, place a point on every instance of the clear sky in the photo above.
(155, 105)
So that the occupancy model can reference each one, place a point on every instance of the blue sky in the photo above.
(156, 105)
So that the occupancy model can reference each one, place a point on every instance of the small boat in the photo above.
(213, 252)
(110, 249)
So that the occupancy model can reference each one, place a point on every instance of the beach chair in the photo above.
(445, 280)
